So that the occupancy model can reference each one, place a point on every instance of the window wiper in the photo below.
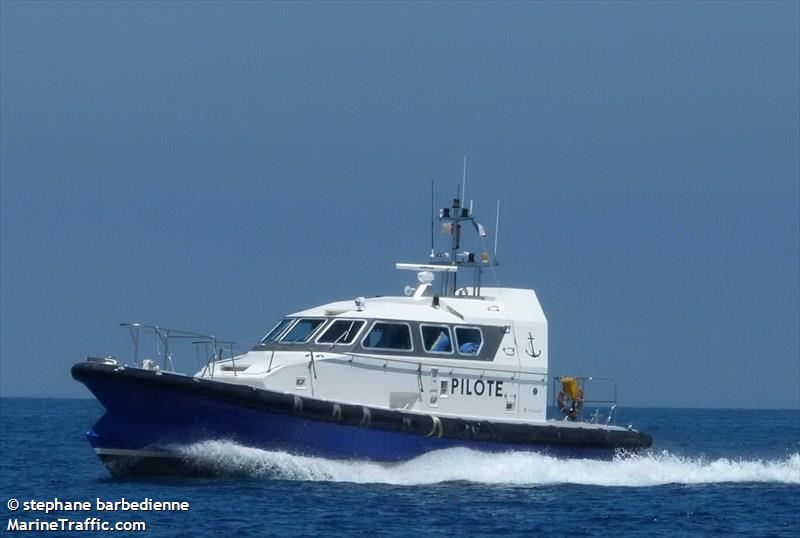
(350, 328)
(343, 335)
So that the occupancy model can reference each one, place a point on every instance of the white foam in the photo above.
(519, 468)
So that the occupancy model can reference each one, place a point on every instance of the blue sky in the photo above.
(211, 166)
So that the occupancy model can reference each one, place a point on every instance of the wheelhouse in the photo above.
(384, 337)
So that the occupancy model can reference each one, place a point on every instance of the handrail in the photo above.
(159, 328)
(582, 404)
(165, 334)
(460, 367)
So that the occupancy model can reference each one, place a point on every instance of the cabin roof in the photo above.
(494, 306)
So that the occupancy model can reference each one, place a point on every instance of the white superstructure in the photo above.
(472, 352)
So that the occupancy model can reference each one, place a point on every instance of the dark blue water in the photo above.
(720, 472)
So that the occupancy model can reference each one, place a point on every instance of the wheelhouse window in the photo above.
(382, 335)
(301, 331)
(277, 331)
(469, 340)
(436, 338)
(341, 331)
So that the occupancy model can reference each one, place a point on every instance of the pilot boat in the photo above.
(446, 364)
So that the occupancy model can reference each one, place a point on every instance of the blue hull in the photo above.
(148, 413)
(184, 421)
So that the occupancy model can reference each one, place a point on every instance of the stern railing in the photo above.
(589, 406)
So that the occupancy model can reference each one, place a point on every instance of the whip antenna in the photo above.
(496, 228)
(464, 183)
(433, 251)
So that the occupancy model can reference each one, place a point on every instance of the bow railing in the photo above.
(209, 349)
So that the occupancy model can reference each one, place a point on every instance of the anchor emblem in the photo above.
(529, 348)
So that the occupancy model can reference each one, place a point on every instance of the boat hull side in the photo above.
(148, 412)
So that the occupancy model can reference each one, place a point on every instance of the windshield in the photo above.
(302, 331)
(341, 331)
(276, 331)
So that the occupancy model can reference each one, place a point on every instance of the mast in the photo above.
(452, 219)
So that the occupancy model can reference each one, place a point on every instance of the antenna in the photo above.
(433, 251)
(464, 181)
(496, 228)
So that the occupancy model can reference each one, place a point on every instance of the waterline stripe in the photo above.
(137, 453)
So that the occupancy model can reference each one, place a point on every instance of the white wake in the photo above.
(516, 468)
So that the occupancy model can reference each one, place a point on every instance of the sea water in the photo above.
(709, 472)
